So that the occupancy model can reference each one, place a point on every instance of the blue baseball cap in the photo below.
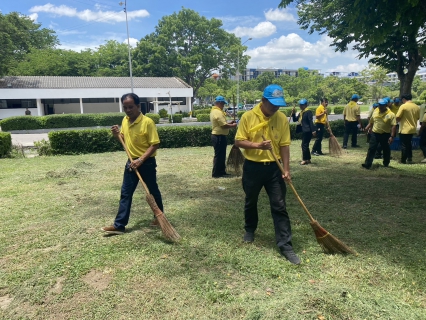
(355, 96)
(221, 99)
(383, 102)
(387, 99)
(375, 105)
(397, 100)
(275, 95)
(303, 101)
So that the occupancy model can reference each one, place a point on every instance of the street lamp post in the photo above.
(128, 42)
(238, 76)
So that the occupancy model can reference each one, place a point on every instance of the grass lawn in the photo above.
(55, 262)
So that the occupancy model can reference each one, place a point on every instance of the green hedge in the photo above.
(338, 110)
(101, 140)
(5, 144)
(72, 120)
(201, 111)
(177, 118)
(203, 117)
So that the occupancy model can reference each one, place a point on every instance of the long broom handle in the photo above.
(291, 185)
(130, 159)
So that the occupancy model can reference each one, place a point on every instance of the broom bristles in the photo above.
(328, 242)
(334, 146)
(168, 231)
(235, 160)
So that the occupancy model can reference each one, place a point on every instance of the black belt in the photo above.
(265, 163)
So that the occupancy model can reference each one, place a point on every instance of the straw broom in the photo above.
(168, 231)
(333, 144)
(235, 157)
(328, 242)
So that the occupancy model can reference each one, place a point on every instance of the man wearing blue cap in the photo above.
(306, 126)
(395, 105)
(382, 127)
(352, 118)
(219, 132)
(261, 170)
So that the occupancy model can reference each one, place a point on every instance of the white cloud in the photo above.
(262, 30)
(33, 16)
(89, 15)
(133, 42)
(292, 52)
(279, 15)
(356, 67)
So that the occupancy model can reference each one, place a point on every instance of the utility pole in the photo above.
(128, 42)
(238, 76)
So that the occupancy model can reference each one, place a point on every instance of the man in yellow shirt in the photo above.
(260, 169)
(141, 138)
(219, 132)
(352, 118)
(407, 116)
(382, 127)
(395, 106)
(320, 122)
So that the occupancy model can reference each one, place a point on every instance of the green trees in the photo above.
(188, 46)
(391, 33)
(19, 35)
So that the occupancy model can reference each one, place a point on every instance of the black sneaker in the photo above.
(365, 166)
(315, 154)
(248, 237)
(320, 153)
(290, 256)
(344, 147)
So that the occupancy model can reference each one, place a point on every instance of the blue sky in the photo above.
(277, 42)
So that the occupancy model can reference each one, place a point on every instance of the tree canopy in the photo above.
(188, 46)
(18, 36)
(390, 33)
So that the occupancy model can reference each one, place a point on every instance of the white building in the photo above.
(56, 95)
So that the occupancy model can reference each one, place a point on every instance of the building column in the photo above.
(40, 110)
(81, 105)
(189, 103)
(120, 105)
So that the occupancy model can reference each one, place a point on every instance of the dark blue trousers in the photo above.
(255, 176)
(148, 173)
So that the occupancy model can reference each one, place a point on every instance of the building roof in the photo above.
(42, 82)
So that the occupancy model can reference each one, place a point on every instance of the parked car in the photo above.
(360, 102)
(248, 107)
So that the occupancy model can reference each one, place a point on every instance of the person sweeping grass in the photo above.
(141, 141)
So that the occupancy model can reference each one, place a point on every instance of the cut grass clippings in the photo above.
(55, 263)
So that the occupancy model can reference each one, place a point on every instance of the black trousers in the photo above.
(320, 134)
(406, 147)
(423, 143)
(351, 127)
(219, 144)
(382, 140)
(306, 139)
(255, 176)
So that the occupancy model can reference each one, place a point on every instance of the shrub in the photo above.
(5, 144)
(338, 110)
(185, 114)
(177, 118)
(203, 117)
(162, 113)
(154, 117)
(286, 111)
(73, 120)
(240, 114)
(83, 141)
(201, 111)
(43, 148)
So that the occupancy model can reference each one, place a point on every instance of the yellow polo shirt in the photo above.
(383, 121)
(394, 108)
(351, 111)
(323, 118)
(218, 119)
(277, 130)
(409, 113)
(139, 135)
